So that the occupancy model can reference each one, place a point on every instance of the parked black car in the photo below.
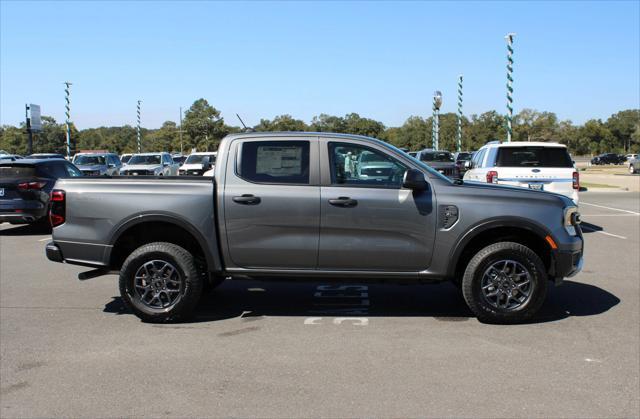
(25, 186)
(461, 157)
(442, 161)
(608, 158)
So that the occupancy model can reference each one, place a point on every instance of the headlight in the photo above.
(571, 219)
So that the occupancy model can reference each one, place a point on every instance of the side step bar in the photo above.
(94, 273)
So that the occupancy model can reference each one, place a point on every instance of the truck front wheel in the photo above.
(505, 282)
(160, 282)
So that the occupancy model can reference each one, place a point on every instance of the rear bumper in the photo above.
(20, 211)
(21, 216)
(53, 252)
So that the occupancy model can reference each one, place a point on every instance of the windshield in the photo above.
(125, 158)
(148, 159)
(464, 156)
(437, 156)
(90, 160)
(197, 158)
(533, 157)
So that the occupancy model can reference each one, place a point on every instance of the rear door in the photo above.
(368, 221)
(272, 203)
(536, 167)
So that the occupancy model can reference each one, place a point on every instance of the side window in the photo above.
(116, 160)
(481, 154)
(71, 170)
(356, 165)
(274, 162)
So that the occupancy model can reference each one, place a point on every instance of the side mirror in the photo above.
(111, 165)
(467, 164)
(414, 179)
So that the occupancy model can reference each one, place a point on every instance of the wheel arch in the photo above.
(145, 228)
(516, 229)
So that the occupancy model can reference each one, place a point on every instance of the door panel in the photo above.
(273, 225)
(368, 222)
(387, 230)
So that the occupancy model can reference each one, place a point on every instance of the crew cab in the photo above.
(534, 165)
(292, 206)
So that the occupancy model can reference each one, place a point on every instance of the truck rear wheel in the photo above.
(505, 283)
(160, 282)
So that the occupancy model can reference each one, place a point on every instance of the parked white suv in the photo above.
(533, 165)
(198, 163)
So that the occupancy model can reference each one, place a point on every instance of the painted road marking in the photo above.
(342, 300)
(45, 239)
(607, 215)
(584, 227)
(610, 208)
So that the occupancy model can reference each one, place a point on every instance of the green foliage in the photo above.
(203, 128)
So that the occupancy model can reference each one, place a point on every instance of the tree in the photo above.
(282, 123)
(328, 123)
(622, 125)
(204, 126)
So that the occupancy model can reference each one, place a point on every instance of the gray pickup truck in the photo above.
(295, 205)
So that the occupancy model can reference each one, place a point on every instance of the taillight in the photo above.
(492, 176)
(576, 181)
(30, 186)
(57, 209)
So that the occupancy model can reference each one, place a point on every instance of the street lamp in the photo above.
(437, 103)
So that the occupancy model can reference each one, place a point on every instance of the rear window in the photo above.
(464, 156)
(533, 157)
(437, 157)
(17, 172)
(197, 158)
(275, 162)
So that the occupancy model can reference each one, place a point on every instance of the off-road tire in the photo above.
(478, 265)
(186, 268)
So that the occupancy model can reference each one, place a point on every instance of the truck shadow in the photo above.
(35, 229)
(249, 299)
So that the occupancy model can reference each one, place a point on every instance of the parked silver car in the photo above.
(98, 164)
(634, 166)
(150, 164)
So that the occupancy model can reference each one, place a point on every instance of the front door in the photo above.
(271, 203)
(368, 221)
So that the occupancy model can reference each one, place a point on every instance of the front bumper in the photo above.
(568, 260)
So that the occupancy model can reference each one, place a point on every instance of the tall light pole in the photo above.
(138, 128)
(67, 107)
(459, 133)
(180, 130)
(509, 38)
(437, 103)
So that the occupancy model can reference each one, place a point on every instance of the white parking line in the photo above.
(609, 208)
(603, 232)
(608, 215)
(45, 239)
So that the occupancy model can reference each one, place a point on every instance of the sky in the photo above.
(382, 60)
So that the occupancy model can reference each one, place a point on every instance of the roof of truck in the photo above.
(298, 134)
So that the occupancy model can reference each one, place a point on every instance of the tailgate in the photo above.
(558, 180)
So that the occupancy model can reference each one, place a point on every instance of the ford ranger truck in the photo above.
(297, 206)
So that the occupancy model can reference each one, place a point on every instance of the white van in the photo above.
(533, 165)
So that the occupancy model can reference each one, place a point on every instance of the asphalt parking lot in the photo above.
(68, 348)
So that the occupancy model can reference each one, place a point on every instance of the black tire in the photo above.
(187, 283)
(480, 269)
